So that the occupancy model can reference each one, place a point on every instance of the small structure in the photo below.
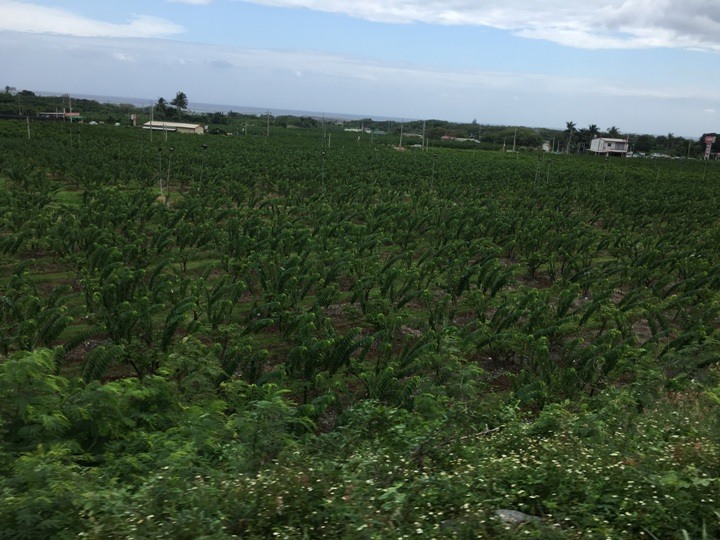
(609, 147)
(71, 116)
(180, 127)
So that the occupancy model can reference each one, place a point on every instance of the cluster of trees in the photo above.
(571, 140)
(174, 110)
(578, 141)
(27, 103)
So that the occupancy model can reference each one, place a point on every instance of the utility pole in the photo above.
(160, 170)
(167, 197)
(323, 132)
(202, 165)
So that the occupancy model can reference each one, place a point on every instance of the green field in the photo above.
(311, 334)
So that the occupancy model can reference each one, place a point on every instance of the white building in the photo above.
(198, 129)
(608, 146)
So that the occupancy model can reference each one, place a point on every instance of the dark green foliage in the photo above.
(306, 341)
(29, 319)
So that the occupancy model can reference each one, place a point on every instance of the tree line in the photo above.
(572, 139)
(577, 140)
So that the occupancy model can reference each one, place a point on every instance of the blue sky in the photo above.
(645, 66)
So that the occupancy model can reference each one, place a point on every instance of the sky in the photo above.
(643, 66)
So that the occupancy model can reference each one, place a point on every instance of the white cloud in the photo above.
(122, 57)
(314, 81)
(183, 59)
(33, 18)
(612, 24)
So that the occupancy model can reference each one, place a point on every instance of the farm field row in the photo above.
(342, 339)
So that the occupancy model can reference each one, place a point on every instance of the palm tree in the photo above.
(180, 102)
(613, 132)
(570, 129)
(593, 130)
(161, 107)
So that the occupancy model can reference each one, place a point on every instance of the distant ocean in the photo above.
(213, 107)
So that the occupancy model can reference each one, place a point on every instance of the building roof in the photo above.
(171, 125)
(610, 139)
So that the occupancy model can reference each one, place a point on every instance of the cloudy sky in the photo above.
(645, 66)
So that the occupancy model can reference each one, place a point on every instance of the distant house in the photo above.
(179, 127)
(607, 146)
